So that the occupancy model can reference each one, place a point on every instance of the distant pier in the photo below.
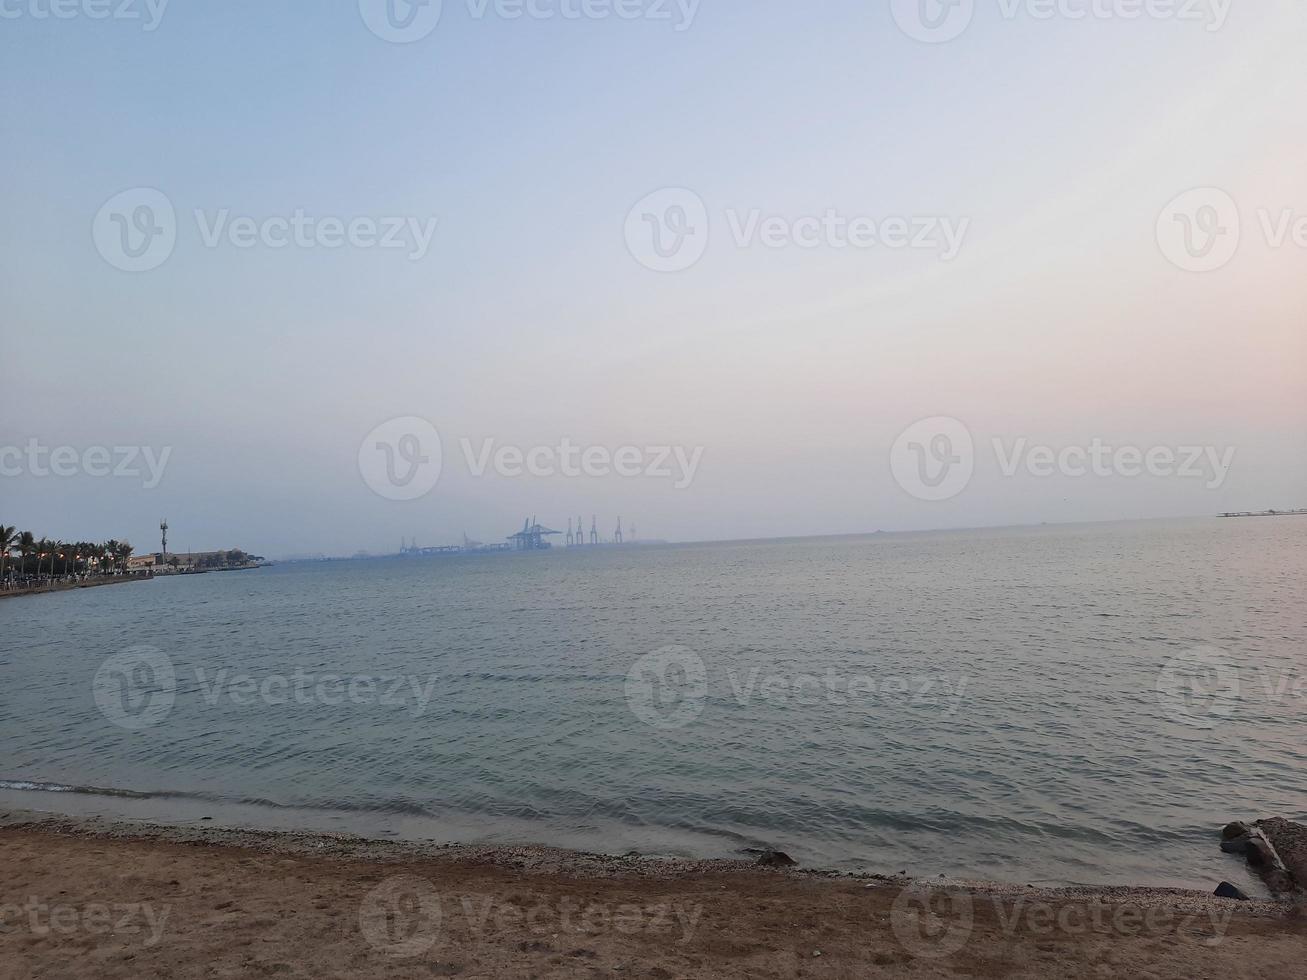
(1268, 513)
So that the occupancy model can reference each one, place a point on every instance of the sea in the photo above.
(1070, 704)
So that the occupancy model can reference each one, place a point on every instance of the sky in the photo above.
(315, 277)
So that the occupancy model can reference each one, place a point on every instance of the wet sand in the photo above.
(91, 898)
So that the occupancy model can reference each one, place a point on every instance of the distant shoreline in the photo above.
(62, 586)
(70, 586)
(1267, 513)
(300, 558)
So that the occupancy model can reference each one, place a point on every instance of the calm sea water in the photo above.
(1065, 704)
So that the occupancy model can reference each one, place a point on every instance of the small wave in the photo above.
(39, 787)
(390, 806)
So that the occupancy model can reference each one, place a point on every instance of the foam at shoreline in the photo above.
(541, 859)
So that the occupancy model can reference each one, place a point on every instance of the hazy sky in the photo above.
(1057, 314)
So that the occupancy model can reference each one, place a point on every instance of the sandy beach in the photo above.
(90, 898)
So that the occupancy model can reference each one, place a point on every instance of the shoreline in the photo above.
(213, 900)
(118, 580)
(72, 586)
(173, 812)
(532, 858)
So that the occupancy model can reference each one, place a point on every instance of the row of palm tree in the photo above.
(59, 557)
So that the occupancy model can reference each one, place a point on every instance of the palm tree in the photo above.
(26, 547)
(124, 552)
(42, 549)
(85, 551)
(8, 539)
(67, 553)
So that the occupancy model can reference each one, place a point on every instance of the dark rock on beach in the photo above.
(1259, 851)
(1234, 830)
(1289, 840)
(1275, 848)
(775, 859)
(1227, 890)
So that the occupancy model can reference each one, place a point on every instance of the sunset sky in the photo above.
(1057, 144)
